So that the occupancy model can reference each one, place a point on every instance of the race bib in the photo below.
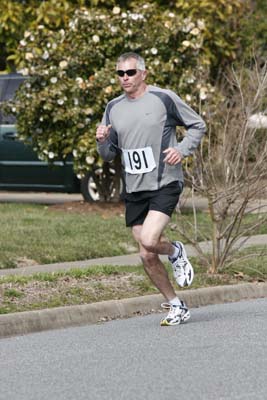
(139, 161)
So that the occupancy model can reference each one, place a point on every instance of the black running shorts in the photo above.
(139, 203)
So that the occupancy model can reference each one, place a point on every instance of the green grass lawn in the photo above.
(99, 283)
(39, 234)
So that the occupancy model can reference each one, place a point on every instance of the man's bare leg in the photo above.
(151, 244)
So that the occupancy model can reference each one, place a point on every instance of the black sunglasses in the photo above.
(129, 72)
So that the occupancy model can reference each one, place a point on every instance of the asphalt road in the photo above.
(221, 353)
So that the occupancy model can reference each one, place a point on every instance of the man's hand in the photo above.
(102, 133)
(173, 156)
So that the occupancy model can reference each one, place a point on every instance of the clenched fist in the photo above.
(173, 156)
(102, 133)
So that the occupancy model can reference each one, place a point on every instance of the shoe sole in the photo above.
(189, 271)
(166, 323)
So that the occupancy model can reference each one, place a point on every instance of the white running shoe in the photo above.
(176, 315)
(182, 269)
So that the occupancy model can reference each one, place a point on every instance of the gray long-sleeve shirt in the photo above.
(142, 129)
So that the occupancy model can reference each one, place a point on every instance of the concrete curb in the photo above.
(62, 317)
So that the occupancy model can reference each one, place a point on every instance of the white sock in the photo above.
(175, 252)
(175, 302)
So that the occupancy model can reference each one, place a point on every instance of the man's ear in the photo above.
(144, 74)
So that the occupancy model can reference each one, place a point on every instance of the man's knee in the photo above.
(149, 243)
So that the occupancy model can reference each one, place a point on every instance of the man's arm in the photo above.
(194, 124)
(107, 139)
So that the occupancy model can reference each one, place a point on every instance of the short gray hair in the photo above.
(140, 62)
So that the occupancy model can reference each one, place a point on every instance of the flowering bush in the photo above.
(72, 73)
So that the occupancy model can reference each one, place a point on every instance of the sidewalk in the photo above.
(69, 316)
(130, 259)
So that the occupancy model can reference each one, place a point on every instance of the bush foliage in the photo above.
(70, 63)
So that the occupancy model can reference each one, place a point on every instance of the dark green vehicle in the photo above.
(20, 167)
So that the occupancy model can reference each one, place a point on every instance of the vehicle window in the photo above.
(8, 86)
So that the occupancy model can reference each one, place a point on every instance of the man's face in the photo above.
(131, 84)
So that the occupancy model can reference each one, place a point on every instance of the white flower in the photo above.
(79, 176)
(51, 155)
(203, 94)
(23, 43)
(63, 64)
(190, 80)
(27, 34)
(41, 119)
(74, 153)
(54, 46)
(189, 27)
(116, 10)
(60, 102)
(45, 56)
(90, 160)
(88, 111)
(96, 38)
(195, 31)
(13, 109)
(76, 101)
(201, 24)
(112, 81)
(129, 32)
(186, 43)
(48, 45)
(135, 17)
(124, 15)
(154, 50)
(24, 71)
(32, 38)
(53, 79)
(171, 15)
(113, 29)
(29, 56)
(188, 97)
(40, 26)
(79, 80)
(72, 25)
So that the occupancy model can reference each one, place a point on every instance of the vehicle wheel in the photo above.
(89, 189)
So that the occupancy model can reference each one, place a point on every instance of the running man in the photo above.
(141, 125)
